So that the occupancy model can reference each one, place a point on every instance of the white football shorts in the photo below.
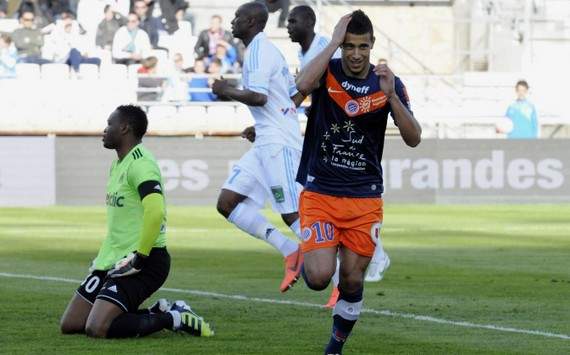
(268, 171)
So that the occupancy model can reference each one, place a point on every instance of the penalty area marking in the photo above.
(387, 313)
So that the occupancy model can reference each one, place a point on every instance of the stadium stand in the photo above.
(454, 100)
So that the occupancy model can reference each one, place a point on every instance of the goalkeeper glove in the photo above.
(129, 265)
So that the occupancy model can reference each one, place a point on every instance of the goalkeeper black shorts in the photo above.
(128, 292)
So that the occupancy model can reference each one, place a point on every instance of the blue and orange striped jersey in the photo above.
(344, 139)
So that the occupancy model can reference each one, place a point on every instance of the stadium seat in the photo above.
(55, 71)
(113, 71)
(88, 71)
(133, 68)
(222, 119)
(28, 71)
(193, 116)
(161, 112)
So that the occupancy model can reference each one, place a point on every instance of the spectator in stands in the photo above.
(150, 84)
(208, 39)
(523, 115)
(200, 82)
(179, 67)
(278, 5)
(148, 66)
(176, 88)
(29, 40)
(151, 25)
(8, 57)
(3, 8)
(215, 69)
(131, 44)
(68, 45)
(227, 55)
(108, 27)
(53, 9)
(168, 9)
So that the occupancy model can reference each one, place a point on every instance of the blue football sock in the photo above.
(345, 315)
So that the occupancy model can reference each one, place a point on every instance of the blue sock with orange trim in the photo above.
(345, 314)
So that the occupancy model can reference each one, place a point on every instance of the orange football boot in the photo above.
(293, 264)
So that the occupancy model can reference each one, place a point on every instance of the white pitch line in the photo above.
(314, 305)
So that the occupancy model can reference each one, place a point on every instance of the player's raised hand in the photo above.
(220, 86)
(340, 30)
(249, 133)
(129, 265)
(387, 79)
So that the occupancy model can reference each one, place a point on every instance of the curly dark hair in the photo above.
(135, 118)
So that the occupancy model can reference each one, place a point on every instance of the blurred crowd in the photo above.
(155, 35)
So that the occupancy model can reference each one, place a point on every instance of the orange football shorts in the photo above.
(330, 221)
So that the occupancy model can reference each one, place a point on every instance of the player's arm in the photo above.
(410, 129)
(309, 78)
(245, 96)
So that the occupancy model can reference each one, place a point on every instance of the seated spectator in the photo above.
(8, 57)
(200, 82)
(227, 55)
(179, 67)
(3, 8)
(29, 40)
(107, 28)
(151, 85)
(33, 6)
(53, 9)
(208, 39)
(148, 66)
(67, 45)
(151, 25)
(215, 69)
(177, 86)
(131, 44)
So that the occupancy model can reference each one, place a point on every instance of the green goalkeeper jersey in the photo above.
(124, 206)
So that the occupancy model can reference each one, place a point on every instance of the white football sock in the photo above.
(296, 228)
(249, 220)
(280, 242)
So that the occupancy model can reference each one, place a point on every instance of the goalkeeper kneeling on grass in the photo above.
(133, 262)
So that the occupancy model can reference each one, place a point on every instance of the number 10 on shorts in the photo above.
(321, 231)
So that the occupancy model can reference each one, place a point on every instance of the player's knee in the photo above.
(317, 280)
(67, 327)
(95, 330)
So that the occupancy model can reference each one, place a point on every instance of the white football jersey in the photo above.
(319, 43)
(265, 71)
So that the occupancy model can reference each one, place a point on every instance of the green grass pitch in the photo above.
(502, 266)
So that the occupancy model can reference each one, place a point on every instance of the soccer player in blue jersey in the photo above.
(341, 204)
